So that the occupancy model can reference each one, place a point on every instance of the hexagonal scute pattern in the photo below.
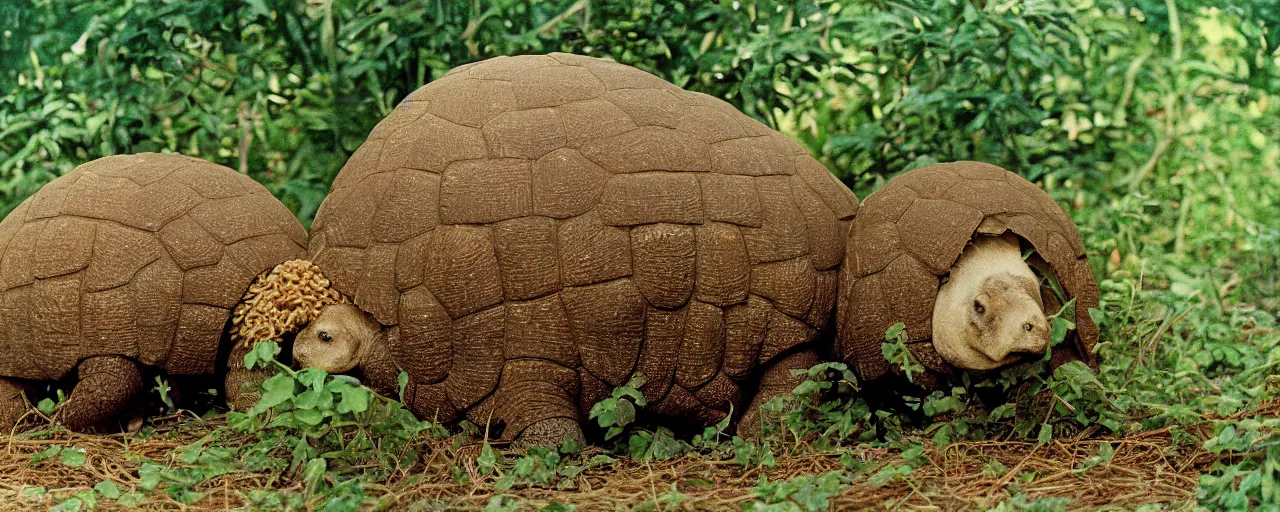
(141, 256)
(598, 218)
(909, 233)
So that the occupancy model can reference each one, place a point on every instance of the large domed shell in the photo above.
(140, 256)
(585, 212)
(909, 233)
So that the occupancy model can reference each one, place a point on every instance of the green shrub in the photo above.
(285, 90)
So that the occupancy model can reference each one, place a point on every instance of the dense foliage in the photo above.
(1156, 123)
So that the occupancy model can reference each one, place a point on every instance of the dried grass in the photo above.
(1147, 468)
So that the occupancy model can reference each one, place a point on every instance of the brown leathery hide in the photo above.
(137, 256)
(540, 214)
(908, 234)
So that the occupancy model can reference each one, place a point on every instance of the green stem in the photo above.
(1180, 234)
(1130, 80)
(1171, 101)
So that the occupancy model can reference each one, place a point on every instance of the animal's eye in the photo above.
(977, 307)
(325, 337)
(1028, 327)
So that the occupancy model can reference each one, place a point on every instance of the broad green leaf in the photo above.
(310, 417)
(72, 504)
(914, 452)
(355, 400)
(73, 457)
(626, 413)
(895, 331)
(46, 454)
(312, 378)
(189, 454)
(313, 474)
(487, 459)
(46, 406)
(1046, 434)
(261, 355)
(312, 399)
(402, 382)
(276, 390)
(149, 476)
(131, 499)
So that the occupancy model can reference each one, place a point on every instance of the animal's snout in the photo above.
(1034, 340)
(300, 357)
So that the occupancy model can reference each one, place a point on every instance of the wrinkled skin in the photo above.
(989, 312)
(344, 339)
(12, 404)
(337, 341)
(106, 386)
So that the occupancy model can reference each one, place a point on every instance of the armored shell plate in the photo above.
(909, 233)
(574, 210)
(140, 256)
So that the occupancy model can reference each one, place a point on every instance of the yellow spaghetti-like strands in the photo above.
(281, 302)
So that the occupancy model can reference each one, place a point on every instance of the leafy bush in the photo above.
(285, 90)
(328, 432)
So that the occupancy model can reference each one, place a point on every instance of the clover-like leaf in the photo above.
(275, 391)
(108, 489)
(354, 400)
(73, 457)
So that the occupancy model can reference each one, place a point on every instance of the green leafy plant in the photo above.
(47, 406)
(826, 404)
(307, 424)
(331, 417)
(162, 388)
(619, 410)
(896, 352)
(1022, 502)
(803, 493)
